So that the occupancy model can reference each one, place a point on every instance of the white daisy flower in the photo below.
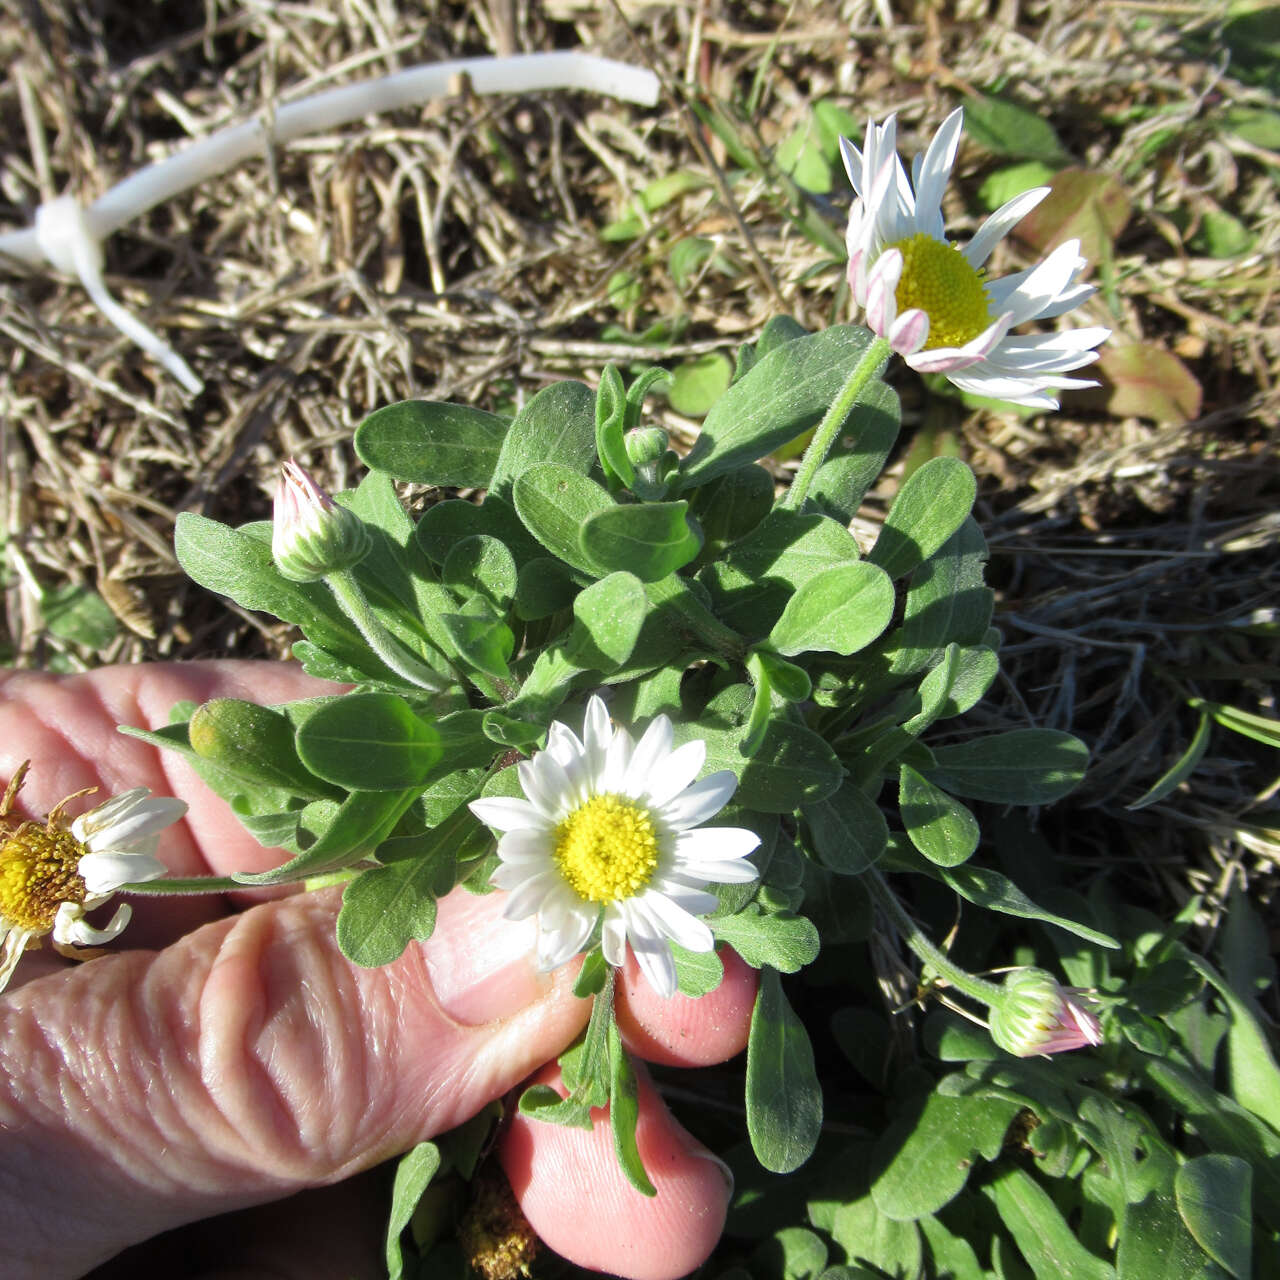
(51, 875)
(932, 300)
(607, 833)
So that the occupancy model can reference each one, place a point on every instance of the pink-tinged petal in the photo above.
(909, 332)
(1000, 223)
(675, 773)
(947, 359)
(506, 813)
(856, 274)
(699, 802)
(882, 285)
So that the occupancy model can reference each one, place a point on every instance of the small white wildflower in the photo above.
(607, 833)
(931, 299)
(51, 875)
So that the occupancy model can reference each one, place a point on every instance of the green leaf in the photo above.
(430, 442)
(1040, 1231)
(929, 508)
(610, 614)
(848, 830)
(369, 742)
(699, 383)
(958, 682)
(480, 638)
(611, 425)
(871, 1238)
(1007, 129)
(751, 585)
(1213, 1194)
(789, 682)
(784, 1098)
(554, 502)
(1262, 729)
(559, 422)
(352, 829)
(624, 1113)
(1023, 766)
(442, 526)
(545, 586)
(934, 1151)
(791, 767)
(730, 507)
(785, 393)
(859, 453)
(698, 973)
(650, 539)
(838, 610)
(79, 614)
(794, 1253)
(783, 942)
(939, 826)
(414, 1172)
(386, 908)
(481, 565)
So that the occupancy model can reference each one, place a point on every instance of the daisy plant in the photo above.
(661, 706)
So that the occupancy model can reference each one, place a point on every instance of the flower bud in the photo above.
(646, 445)
(1037, 1015)
(313, 536)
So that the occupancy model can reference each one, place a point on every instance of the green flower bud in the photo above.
(313, 536)
(646, 445)
(1038, 1015)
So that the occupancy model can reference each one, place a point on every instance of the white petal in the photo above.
(106, 872)
(525, 845)
(715, 844)
(1040, 289)
(934, 172)
(678, 925)
(564, 747)
(15, 943)
(652, 951)
(547, 786)
(652, 749)
(696, 901)
(947, 359)
(597, 731)
(128, 822)
(526, 899)
(882, 285)
(616, 763)
(699, 802)
(70, 926)
(506, 813)
(999, 224)
(613, 936)
(564, 924)
(677, 771)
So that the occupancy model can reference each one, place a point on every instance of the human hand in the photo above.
(246, 1059)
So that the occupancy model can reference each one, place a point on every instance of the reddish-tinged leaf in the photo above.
(1144, 380)
(1090, 207)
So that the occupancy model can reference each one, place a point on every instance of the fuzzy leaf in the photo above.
(369, 742)
(430, 442)
(838, 610)
(1023, 766)
(554, 502)
(938, 825)
(650, 539)
(931, 505)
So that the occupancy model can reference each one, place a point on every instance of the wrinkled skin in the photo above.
(224, 1054)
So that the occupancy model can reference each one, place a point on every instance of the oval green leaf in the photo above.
(938, 825)
(929, 508)
(430, 442)
(369, 742)
(839, 610)
(650, 539)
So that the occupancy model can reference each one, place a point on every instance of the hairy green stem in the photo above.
(977, 988)
(347, 590)
(873, 361)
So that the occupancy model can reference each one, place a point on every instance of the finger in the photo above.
(581, 1205)
(67, 727)
(247, 1061)
(681, 1031)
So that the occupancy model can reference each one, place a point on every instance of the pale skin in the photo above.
(224, 1055)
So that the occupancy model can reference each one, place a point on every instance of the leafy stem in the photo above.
(870, 366)
(987, 993)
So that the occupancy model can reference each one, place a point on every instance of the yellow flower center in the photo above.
(607, 849)
(938, 279)
(38, 872)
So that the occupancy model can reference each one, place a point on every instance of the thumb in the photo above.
(247, 1061)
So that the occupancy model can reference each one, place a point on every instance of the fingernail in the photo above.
(725, 1172)
(481, 964)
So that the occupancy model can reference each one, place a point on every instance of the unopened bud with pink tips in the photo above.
(312, 536)
(1039, 1015)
